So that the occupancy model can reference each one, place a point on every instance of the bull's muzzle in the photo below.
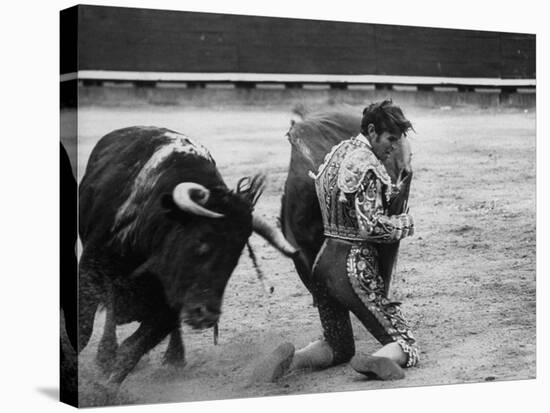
(200, 316)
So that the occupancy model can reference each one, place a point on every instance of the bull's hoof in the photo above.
(174, 360)
(174, 355)
(102, 394)
(273, 367)
(105, 362)
(380, 368)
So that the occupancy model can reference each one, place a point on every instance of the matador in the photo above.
(354, 192)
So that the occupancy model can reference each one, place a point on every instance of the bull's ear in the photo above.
(251, 187)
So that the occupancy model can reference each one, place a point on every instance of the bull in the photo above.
(311, 137)
(161, 234)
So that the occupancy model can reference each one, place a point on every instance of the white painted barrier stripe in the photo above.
(283, 78)
(68, 76)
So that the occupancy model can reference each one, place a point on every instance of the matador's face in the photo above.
(383, 143)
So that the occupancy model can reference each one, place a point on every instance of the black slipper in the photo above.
(381, 368)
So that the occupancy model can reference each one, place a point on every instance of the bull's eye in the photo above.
(203, 249)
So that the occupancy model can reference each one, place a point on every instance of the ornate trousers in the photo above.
(346, 278)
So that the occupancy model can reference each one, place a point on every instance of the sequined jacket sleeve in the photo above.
(374, 225)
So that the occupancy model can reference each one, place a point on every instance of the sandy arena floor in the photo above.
(466, 279)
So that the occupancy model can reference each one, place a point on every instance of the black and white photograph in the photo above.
(272, 206)
(257, 204)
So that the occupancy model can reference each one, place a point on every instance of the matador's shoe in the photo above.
(274, 366)
(381, 368)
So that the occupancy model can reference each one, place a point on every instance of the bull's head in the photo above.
(399, 168)
(210, 230)
(398, 164)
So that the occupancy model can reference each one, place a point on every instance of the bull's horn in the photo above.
(273, 235)
(182, 197)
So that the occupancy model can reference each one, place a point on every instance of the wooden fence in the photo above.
(142, 45)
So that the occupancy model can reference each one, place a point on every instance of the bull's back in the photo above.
(112, 168)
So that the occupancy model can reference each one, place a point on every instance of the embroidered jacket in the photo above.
(354, 189)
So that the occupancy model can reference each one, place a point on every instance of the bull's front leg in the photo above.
(107, 348)
(148, 335)
(175, 353)
(89, 297)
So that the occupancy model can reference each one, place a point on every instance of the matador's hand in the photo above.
(397, 226)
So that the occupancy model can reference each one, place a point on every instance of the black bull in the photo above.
(311, 139)
(161, 235)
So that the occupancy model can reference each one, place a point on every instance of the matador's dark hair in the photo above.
(385, 116)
